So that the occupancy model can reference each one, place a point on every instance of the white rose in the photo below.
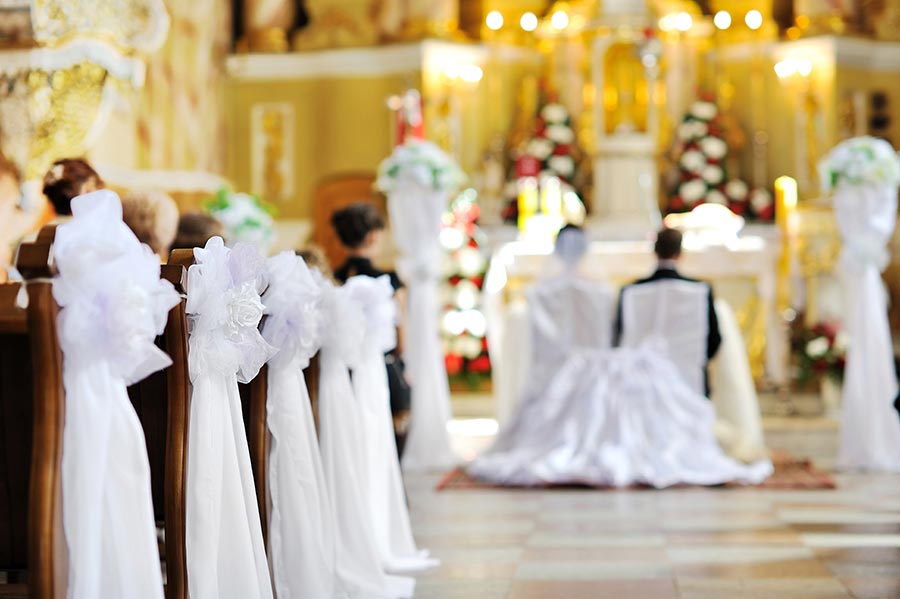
(714, 147)
(560, 134)
(468, 346)
(244, 307)
(713, 174)
(716, 197)
(760, 199)
(736, 190)
(554, 113)
(563, 165)
(693, 161)
(686, 131)
(692, 190)
(817, 348)
(540, 148)
(706, 111)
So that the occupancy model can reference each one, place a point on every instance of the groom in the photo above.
(668, 253)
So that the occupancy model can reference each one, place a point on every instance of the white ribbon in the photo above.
(302, 525)
(113, 305)
(870, 430)
(387, 498)
(226, 557)
(415, 213)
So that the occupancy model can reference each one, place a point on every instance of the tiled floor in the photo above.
(687, 543)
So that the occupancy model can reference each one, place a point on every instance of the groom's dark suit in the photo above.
(714, 337)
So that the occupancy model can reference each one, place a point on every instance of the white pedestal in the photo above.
(626, 183)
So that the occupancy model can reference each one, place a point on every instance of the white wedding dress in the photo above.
(597, 416)
(387, 505)
(112, 307)
(360, 571)
(302, 525)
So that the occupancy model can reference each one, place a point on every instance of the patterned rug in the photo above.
(790, 474)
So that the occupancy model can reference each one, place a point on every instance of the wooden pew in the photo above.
(32, 408)
(162, 403)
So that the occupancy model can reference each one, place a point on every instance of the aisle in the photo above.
(687, 544)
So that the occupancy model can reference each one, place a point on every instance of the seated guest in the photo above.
(15, 223)
(195, 229)
(315, 258)
(153, 217)
(67, 179)
(679, 310)
(360, 227)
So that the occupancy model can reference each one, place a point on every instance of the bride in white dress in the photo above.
(599, 416)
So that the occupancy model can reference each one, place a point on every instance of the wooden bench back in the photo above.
(162, 403)
(32, 408)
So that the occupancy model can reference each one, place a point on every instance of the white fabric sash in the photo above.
(302, 524)
(226, 557)
(113, 305)
(359, 567)
(387, 504)
(416, 225)
(870, 430)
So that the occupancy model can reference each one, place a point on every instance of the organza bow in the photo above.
(293, 304)
(113, 301)
(225, 309)
(345, 322)
(375, 297)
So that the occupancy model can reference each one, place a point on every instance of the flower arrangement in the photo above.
(422, 163)
(820, 352)
(245, 217)
(701, 154)
(860, 162)
(463, 323)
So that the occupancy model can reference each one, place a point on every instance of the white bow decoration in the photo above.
(113, 305)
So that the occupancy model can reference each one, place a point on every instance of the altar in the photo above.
(743, 272)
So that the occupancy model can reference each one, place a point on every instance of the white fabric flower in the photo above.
(421, 163)
(713, 174)
(561, 134)
(540, 148)
(554, 113)
(859, 162)
(736, 190)
(714, 147)
(693, 161)
(716, 197)
(562, 165)
(693, 190)
(817, 348)
(706, 111)
(293, 305)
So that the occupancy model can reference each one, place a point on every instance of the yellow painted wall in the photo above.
(341, 125)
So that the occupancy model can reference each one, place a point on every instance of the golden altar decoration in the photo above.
(56, 92)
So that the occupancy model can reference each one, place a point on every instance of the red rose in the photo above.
(454, 280)
(480, 364)
(676, 203)
(562, 150)
(477, 281)
(453, 363)
(738, 208)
